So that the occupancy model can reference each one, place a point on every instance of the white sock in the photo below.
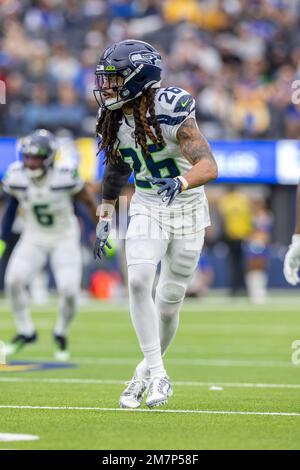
(18, 300)
(143, 315)
(256, 282)
(66, 315)
(168, 324)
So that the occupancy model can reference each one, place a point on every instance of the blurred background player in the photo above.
(292, 258)
(235, 209)
(256, 251)
(153, 131)
(46, 194)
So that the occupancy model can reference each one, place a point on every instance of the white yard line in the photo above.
(143, 410)
(121, 382)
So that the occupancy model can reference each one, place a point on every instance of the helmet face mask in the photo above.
(128, 68)
(38, 152)
(108, 89)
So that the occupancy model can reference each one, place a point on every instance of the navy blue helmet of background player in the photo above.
(38, 152)
(136, 62)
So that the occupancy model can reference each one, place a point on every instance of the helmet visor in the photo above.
(108, 82)
(107, 87)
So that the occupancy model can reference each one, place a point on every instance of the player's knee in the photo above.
(172, 292)
(68, 292)
(139, 281)
(13, 283)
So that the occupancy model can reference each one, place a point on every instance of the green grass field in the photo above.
(235, 386)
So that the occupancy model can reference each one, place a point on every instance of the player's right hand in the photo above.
(2, 247)
(102, 232)
(292, 261)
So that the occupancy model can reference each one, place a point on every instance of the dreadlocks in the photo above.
(109, 122)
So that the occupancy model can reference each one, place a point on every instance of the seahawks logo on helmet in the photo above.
(145, 57)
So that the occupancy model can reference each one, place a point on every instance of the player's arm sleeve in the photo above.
(8, 217)
(114, 179)
(182, 108)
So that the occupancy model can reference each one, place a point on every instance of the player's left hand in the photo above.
(292, 261)
(102, 232)
(172, 186)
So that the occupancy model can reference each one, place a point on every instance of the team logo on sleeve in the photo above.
(145, 58)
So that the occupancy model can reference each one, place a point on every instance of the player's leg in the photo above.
(143, 254)
(26, 260)
(67, 268)
(177, 269)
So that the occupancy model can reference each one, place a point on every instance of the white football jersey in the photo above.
(172, 106)
(47, 205)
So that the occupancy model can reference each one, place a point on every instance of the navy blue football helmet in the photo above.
(38, 152)
(127, 68)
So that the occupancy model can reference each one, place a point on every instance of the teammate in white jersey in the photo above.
(45, 193)
(292, 258)
(153, 131)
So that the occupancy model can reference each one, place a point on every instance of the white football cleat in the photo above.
(61, 352)
(18, 343)
(159, 391)
(62, 356)
(133, 394)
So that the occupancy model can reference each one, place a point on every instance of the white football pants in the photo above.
(156, 322)
(26, 261)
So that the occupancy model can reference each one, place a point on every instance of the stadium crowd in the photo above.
(237, 57)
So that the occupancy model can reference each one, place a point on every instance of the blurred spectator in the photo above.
(238, 57)
(68, 113)
(15, 100)
(62, 66)
(37, 111)
(250, 115)
(235, 209)
(257, 253)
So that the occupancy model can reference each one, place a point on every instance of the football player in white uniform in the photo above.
(153, 131)
(45, 193)
(292, 258)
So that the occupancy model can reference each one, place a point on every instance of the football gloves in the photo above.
(102, 232)
(171, 187)
(292, 261)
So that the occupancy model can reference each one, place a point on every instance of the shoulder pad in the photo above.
(15, 177)
(174, 101)
(65, 177)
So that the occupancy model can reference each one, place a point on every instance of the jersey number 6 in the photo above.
(43, 217)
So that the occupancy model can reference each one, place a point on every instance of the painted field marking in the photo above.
(111, 361)
(7, 437)
(91, 408)
(122, 382)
